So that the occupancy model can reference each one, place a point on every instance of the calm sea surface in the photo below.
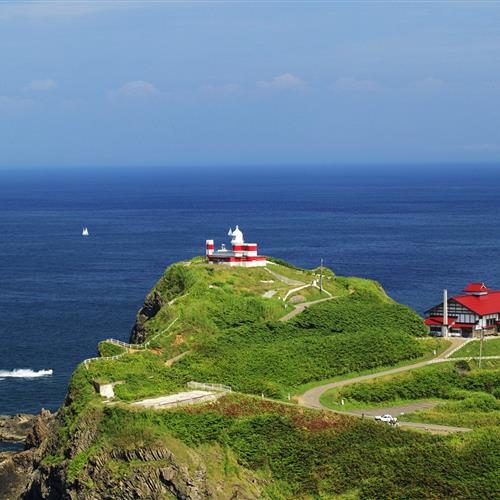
(415, 232)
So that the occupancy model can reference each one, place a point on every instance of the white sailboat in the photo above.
(85, 231)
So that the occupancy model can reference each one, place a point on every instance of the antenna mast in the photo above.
(321, 276)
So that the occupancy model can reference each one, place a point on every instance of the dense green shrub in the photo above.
(326, 340)
(107, 349)
(177, 279)
(432, 381)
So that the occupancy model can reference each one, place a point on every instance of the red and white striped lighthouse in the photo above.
(209, 247)
(241, 254)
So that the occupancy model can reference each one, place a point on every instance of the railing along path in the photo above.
(125, 345)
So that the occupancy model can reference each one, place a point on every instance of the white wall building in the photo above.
(241, 254)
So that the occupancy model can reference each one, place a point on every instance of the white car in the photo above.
(388, 419)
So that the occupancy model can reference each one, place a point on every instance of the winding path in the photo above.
(300, 307)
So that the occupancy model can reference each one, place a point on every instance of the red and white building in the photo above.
(476, 312)
(241, 254)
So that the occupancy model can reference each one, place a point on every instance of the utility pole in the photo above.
(481, 348)
(445, 330)
(321, 276)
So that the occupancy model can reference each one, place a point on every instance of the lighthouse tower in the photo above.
(241, 254)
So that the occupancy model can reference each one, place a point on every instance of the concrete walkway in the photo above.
(179, 399)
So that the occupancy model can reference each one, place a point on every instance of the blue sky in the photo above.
(247, 83)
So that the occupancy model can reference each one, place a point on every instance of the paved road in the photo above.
(398, 410)
(311, 398)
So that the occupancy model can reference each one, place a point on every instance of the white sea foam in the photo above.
(24, 373)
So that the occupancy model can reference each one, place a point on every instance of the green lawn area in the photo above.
(491, 347)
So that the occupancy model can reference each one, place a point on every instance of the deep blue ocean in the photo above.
(414, 229)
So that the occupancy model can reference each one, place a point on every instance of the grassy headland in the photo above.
(227, 323)
(232, 335)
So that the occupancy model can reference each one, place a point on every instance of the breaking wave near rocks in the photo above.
(24, 373)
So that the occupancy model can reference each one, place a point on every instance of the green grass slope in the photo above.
(491, 347)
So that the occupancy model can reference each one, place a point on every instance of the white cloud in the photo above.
(350, 84)
(136, 88)
(286, 81)
(429, 83)
(14, 103)
(42, 85)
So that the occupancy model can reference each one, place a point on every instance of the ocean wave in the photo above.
(24, 373)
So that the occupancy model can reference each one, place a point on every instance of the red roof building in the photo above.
(476, 311)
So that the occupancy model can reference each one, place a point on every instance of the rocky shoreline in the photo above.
(16, 467)
(15, 428)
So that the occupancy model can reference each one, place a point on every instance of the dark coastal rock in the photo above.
(39, 430)
(15, 427)
(15, 473)
(150, 308)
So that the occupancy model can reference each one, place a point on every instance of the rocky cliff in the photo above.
(57, 464)
(17, 468)
(150, 308)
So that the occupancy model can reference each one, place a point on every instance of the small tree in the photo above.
(462, 367)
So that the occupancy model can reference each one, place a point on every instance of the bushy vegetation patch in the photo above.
(362, 311)
(443, 381)
(326, 340)
(310, 453)
(178, 279)
(107, 349)
(475, 410)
